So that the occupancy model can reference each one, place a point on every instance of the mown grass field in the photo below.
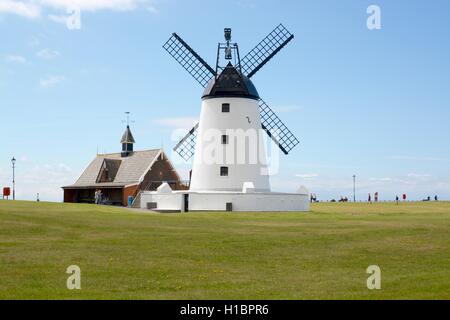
(127, 254)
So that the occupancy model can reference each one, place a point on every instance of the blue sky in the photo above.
(375, 103)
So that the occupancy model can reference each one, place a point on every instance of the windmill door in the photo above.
(186, 202)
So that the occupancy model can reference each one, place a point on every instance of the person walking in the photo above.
(396, 199)
(100, 196)
(370, 199)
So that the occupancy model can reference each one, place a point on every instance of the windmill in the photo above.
(231, 85)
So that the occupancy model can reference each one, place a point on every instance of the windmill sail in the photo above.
(201, 71)
(265, 50)
(186, 147)
(276, 129)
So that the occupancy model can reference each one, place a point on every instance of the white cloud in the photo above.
(58, 18)
(307, 175)
(32, 8)
(152, 9)
(16, 59)
(45, 179)
(26, 9)
(93, 5)
(51, 80)
(182, 122)
(415, 158)
(47, 54)
(418, 175)
(416, 186)
(381, 179)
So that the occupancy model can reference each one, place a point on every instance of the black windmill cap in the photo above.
(230, 83)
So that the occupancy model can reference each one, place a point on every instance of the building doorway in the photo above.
(186, 202)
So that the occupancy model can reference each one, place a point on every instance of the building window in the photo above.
(225, 107)
(224, 171)
(224, 139)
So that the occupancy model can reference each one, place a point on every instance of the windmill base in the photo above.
(182, 201)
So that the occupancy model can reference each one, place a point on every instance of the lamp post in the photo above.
(354, 188)
(13, 161)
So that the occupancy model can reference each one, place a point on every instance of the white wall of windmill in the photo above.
(259, 202)
(244, 155)
(217, 201)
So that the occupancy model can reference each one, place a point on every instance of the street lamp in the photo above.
(354, 188)
(13, 161)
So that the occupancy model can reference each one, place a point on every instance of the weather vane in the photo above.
(128, 121)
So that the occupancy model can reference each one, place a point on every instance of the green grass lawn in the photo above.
(322, 254)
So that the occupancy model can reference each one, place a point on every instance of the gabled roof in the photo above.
(131, 170)
(127, 137)
(108, 170)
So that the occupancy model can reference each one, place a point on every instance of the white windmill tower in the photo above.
(229, 167)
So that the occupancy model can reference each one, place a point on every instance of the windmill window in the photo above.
(224, 171)
(224, 139)
(225, 107)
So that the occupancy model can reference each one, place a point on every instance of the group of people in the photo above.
(429, 198)
(98, 196)
(342, 199)
(375, 195)
(397, 199)
(374, 199)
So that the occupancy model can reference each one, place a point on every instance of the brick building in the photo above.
(123, 174)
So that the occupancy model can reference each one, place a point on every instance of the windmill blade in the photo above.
(189, 59)
(276, 129)
(186, 147)
(265, 50)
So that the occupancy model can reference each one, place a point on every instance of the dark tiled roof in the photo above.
(132, 168)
